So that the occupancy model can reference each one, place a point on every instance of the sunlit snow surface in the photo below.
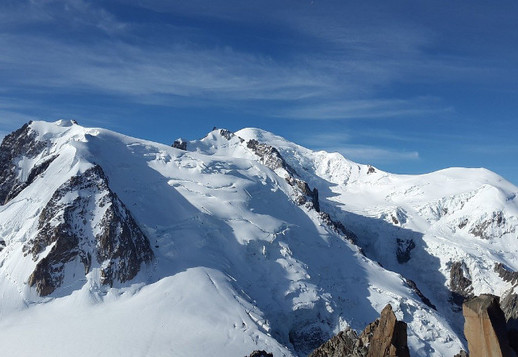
(238, 265)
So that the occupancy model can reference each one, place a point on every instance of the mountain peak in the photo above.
(252, 241)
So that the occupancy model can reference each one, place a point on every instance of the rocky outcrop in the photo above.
(18, 144)
(180, 144)
(389, 338)
(509, 305)
(412, 285)
(485, 327)
(404, 247)
(306, 193)
(384, 337)
(85, 223)
(346, 343)
(227, 134)
(506, 274)
(495, 223)
(460, 284)
(339, 228)
(270, 156)
(261, 353)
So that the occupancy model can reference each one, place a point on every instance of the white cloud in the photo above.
(370, 154)
(365, 109)
(179, 70)
(338, 74)
(341, 142)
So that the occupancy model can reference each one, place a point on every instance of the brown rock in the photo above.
(346, 343)
(389, 337)
(485, 327)
(384, 337)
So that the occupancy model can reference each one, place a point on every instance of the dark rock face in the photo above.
(338, 227)
(495, 222)
(227, 134)
(346, 343)
(485, 327)
(460, 285)
(270, 156)
(404, 247)
(384, 337)
(412, 285)
(18, 144)
(463, 223)
(462, 353)
(94, 228)
(307, 195)
(2, 244)
(260, 354)
(509, 305)
(506, 274)
(180, 144)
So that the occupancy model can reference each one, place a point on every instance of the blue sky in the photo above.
(408, 86)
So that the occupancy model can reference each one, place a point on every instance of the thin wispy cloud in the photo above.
(357, 61)
(366, 109)
(367, 154)
(124, 69)
(343, 143)
(426, 76)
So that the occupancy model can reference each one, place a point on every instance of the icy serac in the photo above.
(233, 243)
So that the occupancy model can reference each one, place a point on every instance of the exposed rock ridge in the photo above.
(404, 247)
(18, 144)
(85, 223)
(412, 285)
(272, 158)
(180, 144)
(495, 223)
(345, 343)
(509, 305)
(260, 353)
(460, 284)
(384, 337)
(506, 274)
(304, 195)
(485, 327)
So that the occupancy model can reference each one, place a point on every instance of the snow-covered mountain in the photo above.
(112, 245)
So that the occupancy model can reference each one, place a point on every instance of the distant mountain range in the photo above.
(112, 245)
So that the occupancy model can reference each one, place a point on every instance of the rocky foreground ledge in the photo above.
(488, 332)
(486, 329)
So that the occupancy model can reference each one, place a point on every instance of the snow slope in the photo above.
(456, 215)
(243, 258)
